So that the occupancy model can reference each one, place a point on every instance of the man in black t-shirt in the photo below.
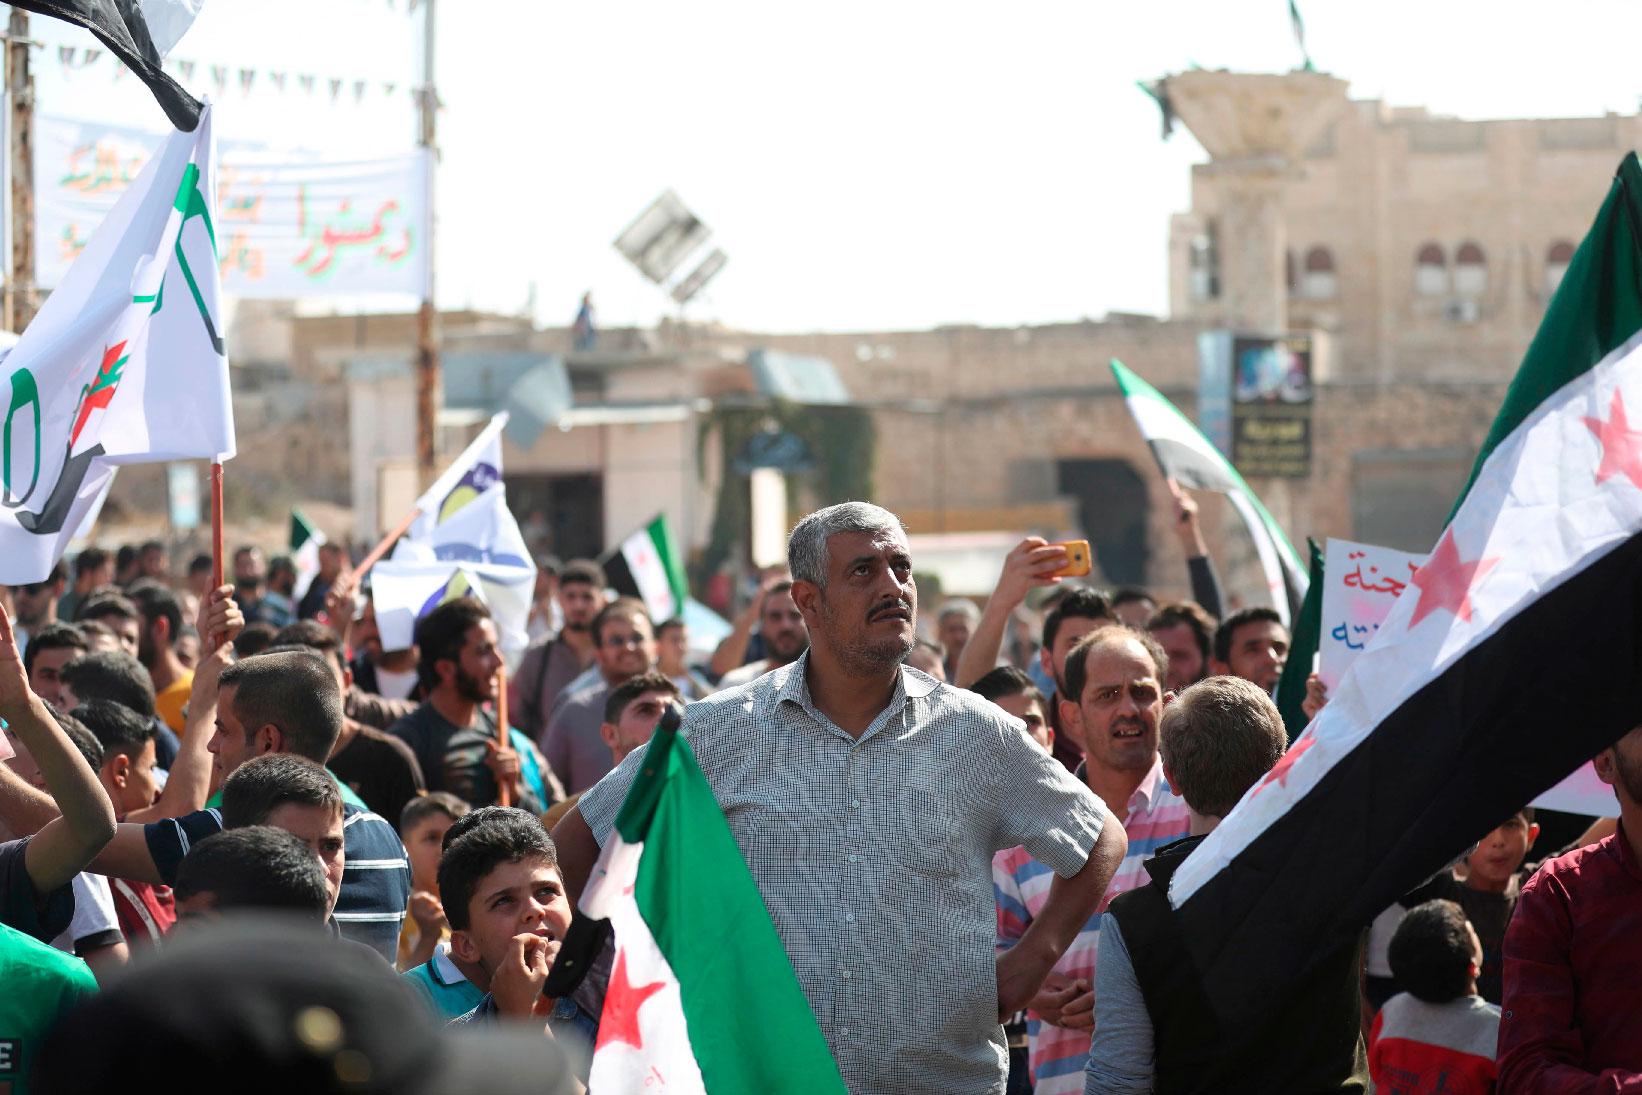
(452, 734)
(379, 767)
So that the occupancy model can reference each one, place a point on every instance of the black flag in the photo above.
(122, 26)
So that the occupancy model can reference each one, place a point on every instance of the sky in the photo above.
(896, 164)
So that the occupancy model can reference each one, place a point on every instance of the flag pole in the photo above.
(216, 524)
(381, 549)
(504, 793)
(216, 540)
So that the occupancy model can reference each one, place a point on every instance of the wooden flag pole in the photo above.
(216, 525)
(216, 541)
(387, 542)
(504, 793)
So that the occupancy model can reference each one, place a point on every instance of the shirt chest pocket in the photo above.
(929, 837)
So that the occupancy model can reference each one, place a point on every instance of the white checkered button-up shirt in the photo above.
(874, 858)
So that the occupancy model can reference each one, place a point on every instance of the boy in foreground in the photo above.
(508, 913)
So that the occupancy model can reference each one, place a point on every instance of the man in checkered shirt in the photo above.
(868, 800)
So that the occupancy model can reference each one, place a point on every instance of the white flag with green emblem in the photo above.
(125, 363)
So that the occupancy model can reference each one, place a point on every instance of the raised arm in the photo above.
(1199, 567)
(732, 652)
(64, 845)
(1024, 569)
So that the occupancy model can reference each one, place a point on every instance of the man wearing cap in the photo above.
(868, 801)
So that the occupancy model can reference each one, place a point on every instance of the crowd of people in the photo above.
(962, 822)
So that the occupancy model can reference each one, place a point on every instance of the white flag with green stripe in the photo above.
(305, 543)
(1191, 459)
(702, 995)
(648, 565)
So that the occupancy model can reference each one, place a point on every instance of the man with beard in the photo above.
(551, 664)
(1111, 703)
(161, 621)
(785, 636)
(868, 800)
(1252, 644)
(625, 647)
(1570, 1020)
(1186, 634)
(453, 734)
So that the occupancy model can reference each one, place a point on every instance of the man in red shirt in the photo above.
(1572, 1018)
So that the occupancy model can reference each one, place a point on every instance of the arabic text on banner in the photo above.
(1360, 584)
(290, 224)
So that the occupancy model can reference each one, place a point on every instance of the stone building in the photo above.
(1417, 252)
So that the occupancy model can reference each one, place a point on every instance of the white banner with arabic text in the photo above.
(289, 224)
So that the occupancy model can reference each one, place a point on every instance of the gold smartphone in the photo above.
(1077, 559)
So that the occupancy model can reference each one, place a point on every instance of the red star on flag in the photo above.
(1445, 581)
(1621, 445)
(1280, 771)
(622, 1000)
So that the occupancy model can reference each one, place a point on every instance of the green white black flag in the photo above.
(1191, 459)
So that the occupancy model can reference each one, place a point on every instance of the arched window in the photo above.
(1320, 282)
(1470, 270)
(1431, 271)
(1557, 259)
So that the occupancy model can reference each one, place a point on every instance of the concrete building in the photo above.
(1417, 252)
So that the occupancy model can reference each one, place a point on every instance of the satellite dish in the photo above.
(662, 237)
(696, 280)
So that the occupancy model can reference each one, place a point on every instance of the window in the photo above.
(1470, 270)
(1205, 265)
(1431, 271)
(1291, 273)
(1320, 282)
(1556, 265)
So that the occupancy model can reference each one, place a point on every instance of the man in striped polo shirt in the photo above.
(1116, 675)
(281, 702)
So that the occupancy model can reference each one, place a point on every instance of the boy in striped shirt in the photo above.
(1116, 674)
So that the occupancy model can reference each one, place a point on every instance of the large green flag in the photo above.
(1304, 639)
(702, 996)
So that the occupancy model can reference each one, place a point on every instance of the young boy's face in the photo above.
(321, 830)
(129, 780)
(513, 899)
(422, 844)
(1501, 852)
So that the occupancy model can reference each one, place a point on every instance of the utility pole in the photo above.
(19, 298)
(427, 334)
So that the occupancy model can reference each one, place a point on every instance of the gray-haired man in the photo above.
(868, 802)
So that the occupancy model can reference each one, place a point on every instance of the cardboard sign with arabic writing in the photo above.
(1361, 583)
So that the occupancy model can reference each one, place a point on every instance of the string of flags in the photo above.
(74, 59)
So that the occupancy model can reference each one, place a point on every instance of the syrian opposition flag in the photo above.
(124, 364)
(305, 543)
(140, 33)
(702, 996)
(463, 542)
(648, 566)
(1508, 662)
(1191, 459)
